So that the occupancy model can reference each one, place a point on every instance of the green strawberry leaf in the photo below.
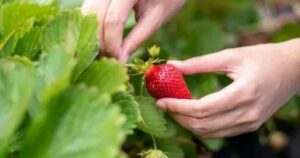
(129, 108)
(40, 2)
(28, 45)
(55, 33)
(16, 89)
(78, 123)
(55, 66)
(88, 45)
(62, 4)
(67, 4)
(84, 33)
(107, 75)
(151, 120)
(18, 19)
(170, 147)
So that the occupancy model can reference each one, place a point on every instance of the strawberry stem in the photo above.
(142, 86)
(154, 142)
(140, 67)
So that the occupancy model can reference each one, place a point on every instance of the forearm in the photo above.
(292, 50)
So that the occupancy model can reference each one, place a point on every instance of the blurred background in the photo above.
(206, 26)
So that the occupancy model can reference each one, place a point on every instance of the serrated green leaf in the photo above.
(88, 45)
(84, 33)
(12, 16)
(107, 75)
(58, 42)
(28, 45)
(67, 4)
(151, 119)
(170, 147)
(54, 34)
(16, 88)
(54, 71)
(40, 2)
(79, 123)
(10, 42)
(16, 20)
(129, 108)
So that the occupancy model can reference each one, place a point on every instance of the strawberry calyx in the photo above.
(140, 66)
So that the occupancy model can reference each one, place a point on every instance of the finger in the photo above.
(217, 62)
(219, 102)
(211, 124)
(99, 7)
(116, 16)
(145, 27)
(234, 131)
(185, 121)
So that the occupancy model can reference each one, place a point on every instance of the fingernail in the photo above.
(161, 104)
(174, 62)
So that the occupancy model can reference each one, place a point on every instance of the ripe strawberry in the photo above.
(162, 80)
(166, 81)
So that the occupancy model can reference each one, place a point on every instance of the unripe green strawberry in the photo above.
(166, 81)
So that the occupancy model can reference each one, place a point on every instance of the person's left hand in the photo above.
(113, 14)
(264, 78)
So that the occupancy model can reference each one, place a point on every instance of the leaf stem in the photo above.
(142, 86)
(154, 142)
(151, 135)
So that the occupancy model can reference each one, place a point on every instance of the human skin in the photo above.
(112, 15)
(264, 78)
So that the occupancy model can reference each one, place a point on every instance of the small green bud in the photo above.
(154, 51)
(153, 154)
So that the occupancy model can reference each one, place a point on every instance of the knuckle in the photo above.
(247, 92)
(113, 21)
(200, 112)
(254, 127)
(198, 127)
(252, 117)
(170, 108)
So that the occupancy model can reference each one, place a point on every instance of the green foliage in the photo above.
(290, 112)
(78, 123)
(214, 144)
(129, 107)
(170, 147)
(16, 89)
(43, 106)
(13, 25)
(57, 100)
(288, 31)
(106, 70)
(27, 45)
(151, 119)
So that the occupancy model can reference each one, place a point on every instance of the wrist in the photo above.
(292, 47)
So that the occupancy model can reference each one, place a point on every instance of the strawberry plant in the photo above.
(59, 100)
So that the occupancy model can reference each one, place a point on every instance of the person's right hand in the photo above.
(112, 15)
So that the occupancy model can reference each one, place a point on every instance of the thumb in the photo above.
(217, 62)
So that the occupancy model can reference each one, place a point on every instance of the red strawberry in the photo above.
(166, 81)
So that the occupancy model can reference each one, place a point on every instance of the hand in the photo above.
(264, 78)
(112, 15)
